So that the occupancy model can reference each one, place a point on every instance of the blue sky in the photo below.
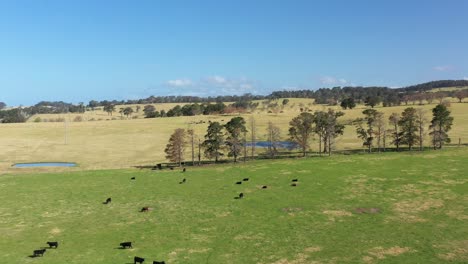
(76, 51)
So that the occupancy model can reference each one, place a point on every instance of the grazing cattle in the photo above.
(264, 187)
(126, 245)
(184, 170)
(108, 200)
(239, 182)
(144, 209)
(159, 262)
(294, 185)
(183, 181)
(245, 179)
(53, 244)
(38, 252)
(241, 195)
(132, 178)
(138, 260)
(294, 180)
(171, 168)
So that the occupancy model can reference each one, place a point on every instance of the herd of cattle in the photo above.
(125, 245)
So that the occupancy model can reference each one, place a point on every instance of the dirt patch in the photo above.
(408, 210)
(372, 210)
(55, 231)
(379, 253)
(454, 251)
(313, 249)
(333, 215)
(202, 250)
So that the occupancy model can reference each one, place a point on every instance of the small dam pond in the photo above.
(280, 144)
(44, 164)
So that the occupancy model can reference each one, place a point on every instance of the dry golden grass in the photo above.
(130, 142)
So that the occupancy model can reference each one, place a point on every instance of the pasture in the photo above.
(130, 142)
(386, 208)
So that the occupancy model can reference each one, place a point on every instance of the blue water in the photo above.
(281, 144)
(44, 164)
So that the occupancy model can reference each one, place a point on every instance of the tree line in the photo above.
(408, 128)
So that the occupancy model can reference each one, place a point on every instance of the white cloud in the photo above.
(465, 78)
(329, 80)
(443, 68)
(180, 83)
(216, 79)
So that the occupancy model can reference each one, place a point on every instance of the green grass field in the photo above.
(414, 209)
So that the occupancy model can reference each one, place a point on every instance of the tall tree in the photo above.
(365, 127)
(333, 129)
(409, 127)
(320, 128)
(461, 95)
(380, 125)
(421, 121)
(273, 138)
(253, 136)
(441, 123)
(394, 120)
(235, 129)
(176, 146)
(191, 135)
(301, 129)
(149, 111)
(214, 139)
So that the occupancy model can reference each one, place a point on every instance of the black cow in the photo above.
(159, 262)
(245, 179)
(108, 200)
(239, 182)
(241, 195)
(171, 168)
(126, 245)
(293, 185)
(132, 178)
(294, 180)
(144, 209)
(183, 181)
(38, 252)
(184, 170)
(264, 187)
(53, 244)
(138, 260)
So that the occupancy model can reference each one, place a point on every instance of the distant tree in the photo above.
(273, 138)
(127, 111)
(149, 111)
(285, 101)
(138, 108)
(301, 129)
(421, 121)
(441, 123)
(409, 127)
(365, 127)
(176, 146)
(372, 101)
(348, 103)
(93, 104)
(430, 97)
(214, 139)
(462, 94)
(394, 120)
(109, 108)
(235, 129)
(163, 113)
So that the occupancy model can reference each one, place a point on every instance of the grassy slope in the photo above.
(423, 200)
(125, 143)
